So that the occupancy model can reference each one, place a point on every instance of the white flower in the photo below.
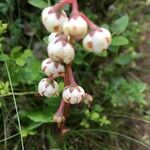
(97, 40)
(75, 26)
(53, 21)
(53, 37)
(47, 87)
(61, 51)
(73, 94)
(51, 68)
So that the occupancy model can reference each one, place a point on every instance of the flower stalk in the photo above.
(64, 31)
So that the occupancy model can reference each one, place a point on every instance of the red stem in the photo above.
(68, 80)
(75, 7)
(61, 107)
(61, 4)
(70, 75)
(89, 22)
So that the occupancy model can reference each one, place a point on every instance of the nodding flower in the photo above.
(47, 87)
(53, 20)
(75, 26)
(97, 40)
(73, 94)
(61, 51)
(52, 69)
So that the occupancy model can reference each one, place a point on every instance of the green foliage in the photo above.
(4, 88)
(38, 3)
(120, 25)
(95, 116)
(122, 92)
(25, 70)
(119, 40)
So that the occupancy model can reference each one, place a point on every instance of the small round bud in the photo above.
(58, 118)
(73, 94)
(61, 51)
(75, 26)
(97, 40)
(51, 68)
(52, 20)
(47, 87)
(88, 99)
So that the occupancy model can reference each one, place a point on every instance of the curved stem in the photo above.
(89, 22)
(61, 107)
(75, 7)
(61, 4)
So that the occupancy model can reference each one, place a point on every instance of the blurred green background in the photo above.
(118, 79)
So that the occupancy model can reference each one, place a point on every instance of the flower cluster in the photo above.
(64, 31)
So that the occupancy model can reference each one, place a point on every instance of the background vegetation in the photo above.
(119, 117)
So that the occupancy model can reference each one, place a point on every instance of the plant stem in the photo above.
(19, 94)
(66, 105)
(70, 75)
(61, 107)
(75, 7)
(68, 79)
(59, 5)
(15, 103)
(89, 22)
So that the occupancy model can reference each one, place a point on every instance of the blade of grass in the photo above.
(19, 94)
(14, 99)
(8, 138)
(114, 133)
(5, 129)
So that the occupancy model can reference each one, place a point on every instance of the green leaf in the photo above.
(97, 108)
(45, 39)
(106, 26)
(124, 59)
(29, 130)
(38, 3)
(102, 54)
(119, 41)
(120, 25)
(94, 116)
(27, 53)
(4, 57)
(15, 50)
(61, 87)
(20, 62)
(40, 116)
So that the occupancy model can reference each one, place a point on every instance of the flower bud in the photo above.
(75, 26)
(97, 40)
(88, 99)
(51, 68)
(73, 94)
(58, 118)
(47, 87)
(52, 20)
(61, 51)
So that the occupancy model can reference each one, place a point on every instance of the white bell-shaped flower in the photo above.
(97, 40)
(47, 87)
(73, 94)
(52, 69)
(53, 21)
(75, 26)
(53, 37)
(61, 51)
